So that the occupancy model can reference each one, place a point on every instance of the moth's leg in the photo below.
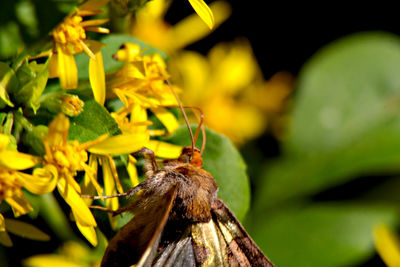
(151, 166)
(96, 207)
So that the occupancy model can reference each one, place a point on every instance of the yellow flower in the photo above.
(12, 180)
(229, 87)
(64, 159)
(140, 85)
(150, 26)
(69, 39)
(387, 245)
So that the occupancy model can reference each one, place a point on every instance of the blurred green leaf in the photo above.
(10, 39)
(345, 121)
(123, 7)
(35, 78)
(27, 23)
(348, 88)
(54, 216)
(113, 42)
(333, 234)
(93, 122)
(225, 163)
(8, 83)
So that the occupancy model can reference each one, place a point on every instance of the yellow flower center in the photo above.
(70, 34)
(68, 158)
(9, 183)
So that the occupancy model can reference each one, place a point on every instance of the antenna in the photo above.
(184, 115)
(200, 126)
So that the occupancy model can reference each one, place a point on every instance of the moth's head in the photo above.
(192, 156)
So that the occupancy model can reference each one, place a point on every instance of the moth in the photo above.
(179, 220)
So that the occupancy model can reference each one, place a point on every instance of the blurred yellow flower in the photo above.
(69, 39)
(149, 24)
(70, 254)
(229, 87)
(12, 180)
(387, 245)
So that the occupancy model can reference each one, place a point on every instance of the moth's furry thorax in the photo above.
(196, 188)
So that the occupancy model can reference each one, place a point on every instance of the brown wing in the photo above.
(137, 241)
(242, 250)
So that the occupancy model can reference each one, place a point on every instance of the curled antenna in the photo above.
(184, 114)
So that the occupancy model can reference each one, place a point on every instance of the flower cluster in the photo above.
(63, 147)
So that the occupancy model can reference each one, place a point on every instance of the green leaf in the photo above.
(93, 122)
(8, 83)
(330, 234)
(113, 42)
(345, 121)
(34, 139)
(225, 163)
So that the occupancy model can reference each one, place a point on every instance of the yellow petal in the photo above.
(19, 204)
(53, 66)
(81, 211)
(5, 239)
(43, 181)
(191, 29)
(132, 172)
(387, 244)
(20, 161)
(58, 130)
(90, 185)
(97, 78)
(2, 223)
(4, 141)
(138, 114)
(120, 144)
(87, 231)
(164, 150)
(67, 70)
(167, 118)
(111, 166)
(26, 230)
(110, 189)
(203, 11)
(50, 260)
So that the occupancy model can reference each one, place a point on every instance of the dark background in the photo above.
(285, 34)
